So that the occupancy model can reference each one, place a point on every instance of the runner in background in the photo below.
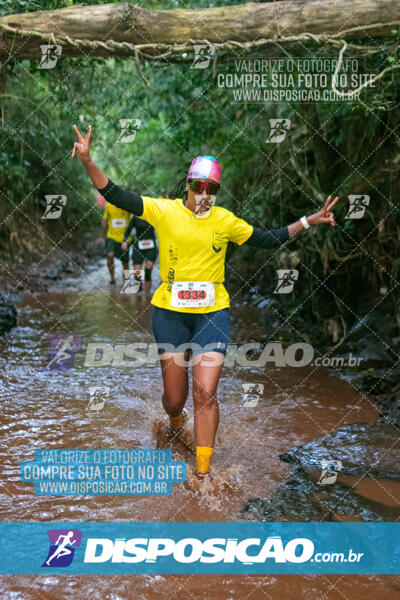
(144, 250)
(113, 226)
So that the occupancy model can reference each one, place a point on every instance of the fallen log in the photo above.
(122, 29)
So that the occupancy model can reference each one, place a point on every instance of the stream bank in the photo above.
(266, 461)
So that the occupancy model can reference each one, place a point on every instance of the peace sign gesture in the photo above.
(325, 215)
(81, 147)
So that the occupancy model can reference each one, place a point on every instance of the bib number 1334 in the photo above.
(192, 294)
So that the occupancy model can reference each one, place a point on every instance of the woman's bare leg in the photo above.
(147, 284)
(110, 265)
(206, 374)
(175, 379)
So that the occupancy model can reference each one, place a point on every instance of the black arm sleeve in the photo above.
(129, 228)
(273, 238)
(230, 250)
(120, 197)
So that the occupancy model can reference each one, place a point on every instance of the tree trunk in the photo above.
(125, 23)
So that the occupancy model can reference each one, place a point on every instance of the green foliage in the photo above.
(333, 148)
(22, 6)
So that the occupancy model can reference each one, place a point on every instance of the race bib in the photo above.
(117, 223)
(194, 294)
(145, 244)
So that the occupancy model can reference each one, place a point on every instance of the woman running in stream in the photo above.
(191, 306)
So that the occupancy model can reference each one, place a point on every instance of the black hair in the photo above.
(179, 191)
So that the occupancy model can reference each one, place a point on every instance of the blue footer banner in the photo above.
(200, 548)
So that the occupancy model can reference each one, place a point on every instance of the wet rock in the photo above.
(63, 268)
(384, 384)
(68, 268)
(368, 452)
(13, 298)
(365, 449)
(54, 273)
(264, 303)
(95, 248)
(389, 409)
(301, 499)
(8, 315)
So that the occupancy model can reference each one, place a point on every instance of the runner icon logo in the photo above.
(279, 129)
(132, 280)
(63, 347)
(286, 280)
(62, 547)
(203, 54)
(50, 54)
(252, 392)
(98, 396)
(129, 127)
(55, 205)
(204, 203)
(329, 473)
(357, 206)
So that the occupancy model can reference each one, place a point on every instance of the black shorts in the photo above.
(139, 256)
(115, 248)
(198, 332)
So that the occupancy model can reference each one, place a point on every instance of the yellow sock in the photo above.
(177, 422)
(203, 457)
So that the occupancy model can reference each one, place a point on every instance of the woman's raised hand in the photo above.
(82, 150)
(325, 215)
(82, 146)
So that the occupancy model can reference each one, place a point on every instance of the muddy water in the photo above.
(49, 409)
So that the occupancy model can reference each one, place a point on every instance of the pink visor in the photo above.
(205, 167)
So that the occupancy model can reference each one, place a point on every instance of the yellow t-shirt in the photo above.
(192, 249)
(118, 220)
